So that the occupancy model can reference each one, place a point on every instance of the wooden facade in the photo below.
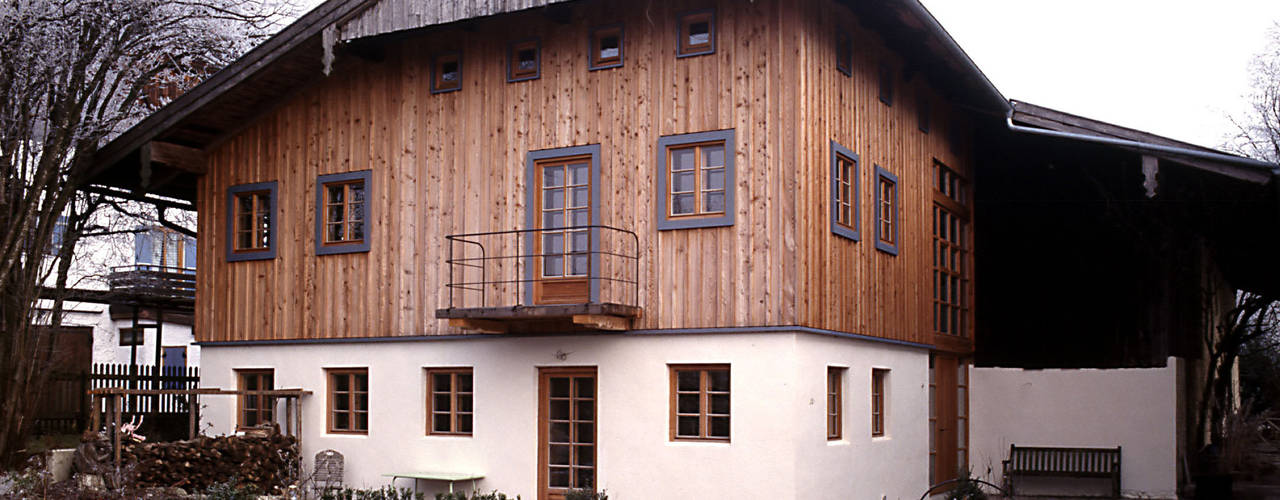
(451, 163)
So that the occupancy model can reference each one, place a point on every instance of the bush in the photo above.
(586, 494)
(231, 490)
(383, 493)
(493, 495)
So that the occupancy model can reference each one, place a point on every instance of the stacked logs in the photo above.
(265, 461)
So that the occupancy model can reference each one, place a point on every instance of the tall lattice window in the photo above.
(950, 254)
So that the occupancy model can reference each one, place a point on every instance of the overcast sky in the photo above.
(1171, 67)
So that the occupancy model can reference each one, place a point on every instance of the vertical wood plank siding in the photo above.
(453, 163)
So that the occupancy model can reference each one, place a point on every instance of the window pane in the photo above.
(687, 403)
(553, 198)
(682, 159)
(578, 241)
(559, 432)
(585, 433)
(342, 421)
(244, 240)
(586, 455)
(245, 221)
(682, 204)
(362, 421)
(559, 387)
(441, 382)
(464, 382)
(712, 156)
(560, 454)
(586, 410)
(361, 382)
(718, 427)
(580, 197)
(579, 174)
(442, 402)
(335, 213)
(687, 426)
(246, 203)
(699, 33)
(553, 176)
(578, 265)
(581, 217)
(464, 403)
(336, 193)
(357, 231)
(688, 380)
(713, 179)
(713, 202)
(464, 423)
(551, 220)
(559, 477)
(553, 266)
(357, 212)
(682, 182)
(357, 192)
(341, 383)
(719, 404)
(553, 243)
(584, 476)
(441, 422)
(719, 380)
(560, 410)
(362, 401)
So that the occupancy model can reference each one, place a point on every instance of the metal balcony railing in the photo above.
(503, 268)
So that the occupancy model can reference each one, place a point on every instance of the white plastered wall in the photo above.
(107, 348)
(778, 445)
(1134, 408)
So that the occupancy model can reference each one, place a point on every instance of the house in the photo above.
(555, 243)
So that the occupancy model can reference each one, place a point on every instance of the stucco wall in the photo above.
(1136, 409)
(778, 445)
(107, 348)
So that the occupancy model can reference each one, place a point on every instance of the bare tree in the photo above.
(71, 76)
(1258, 127)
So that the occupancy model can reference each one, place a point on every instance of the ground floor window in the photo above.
(449, 403)
(255, 410)
(348, 400)
(700, 402)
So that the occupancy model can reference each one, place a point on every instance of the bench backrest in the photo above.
(1090, 461)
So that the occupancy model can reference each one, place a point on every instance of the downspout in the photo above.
(1148, 147)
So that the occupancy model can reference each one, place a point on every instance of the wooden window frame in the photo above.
(347, 246)
(688, 19)
(952, 263)
(594, 61)
(453, 394)
(852, 230)
(886, 84)
(265, 412)
(844, 52)
(713, 219)
(888, 243)
(233, 194)
(438, 83)
(703, 402)
(514, 73)
(878, 407)
(330, 375)
(835, 402)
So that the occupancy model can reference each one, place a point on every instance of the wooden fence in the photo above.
(65, 406)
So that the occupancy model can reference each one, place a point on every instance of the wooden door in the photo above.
(948, 417)
(564, 201)
(566, 430)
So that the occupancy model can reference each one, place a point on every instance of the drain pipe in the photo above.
(1150, 148)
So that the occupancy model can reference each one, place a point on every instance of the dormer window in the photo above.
(446, 73)
(523, 61)
(606, 47)
(697, 33)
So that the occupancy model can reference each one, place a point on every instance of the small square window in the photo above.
(348, 400)
(523, 61)
(449, 401)
(697, 33)
(844, 53)
(342, 213)
(844, 192)
(251, 227)
(700, 402)
(886, 211)
(256, 410)
(606, 47)
(132, 336)
(886, 84)
(446, 73)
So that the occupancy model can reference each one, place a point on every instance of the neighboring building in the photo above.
(725, 244)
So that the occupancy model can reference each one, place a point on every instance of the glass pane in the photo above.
(719, 380)
(528, 59)
(464, 423)
(464, 403)
(246, 203)
(687, 426)
(334, 232)
(553, 243)
(687, 403)
(560, 454)
(585, 433)
(586, 410)
(586, 455)
(844, 214)
(720, 404)
(342, 421)
(682, 182)
(362, 421)
(336, 194)
(441, 382)
(441, 422)
(713, 179)
(713, 202)
(244, 240)
(581, 217)
(553, 266)
(464, 382)
(559, 432)
(560, 409)
(682, 204)
(357, 192)
(553, 176)
(362, 401)
(357, 230)
(699, 33)
(335, 213)
(578, 265)
(551, 220)
(586, 387)
(712, 156)
(357, 212)
(580, 197)
(559, 477)
(579, 174)
(442, 402)
(688, 380)
(718, 427)
(361, 382)
(552, 198)
(682, 159)
(341, 383)
(578, 241)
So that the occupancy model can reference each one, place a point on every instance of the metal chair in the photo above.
(329, 467)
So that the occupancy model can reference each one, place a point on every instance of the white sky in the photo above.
(1174, 67)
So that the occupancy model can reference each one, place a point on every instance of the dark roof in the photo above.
(265, 76)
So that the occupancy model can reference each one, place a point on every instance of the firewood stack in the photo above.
(194, 465)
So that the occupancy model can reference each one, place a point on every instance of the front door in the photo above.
(564, 201)
(948, 417)
(566, 430)
(173, 362)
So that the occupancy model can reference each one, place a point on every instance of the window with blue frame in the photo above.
(886, 211)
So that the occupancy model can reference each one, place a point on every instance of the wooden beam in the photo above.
(479, 325)
(179, 157)
(602, 322)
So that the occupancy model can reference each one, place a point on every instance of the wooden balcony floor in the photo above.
(551, 317)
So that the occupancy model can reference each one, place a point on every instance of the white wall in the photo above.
(778, 445)
(107, 348)
(1135, 409)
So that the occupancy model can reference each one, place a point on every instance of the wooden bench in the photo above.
(1063, 462)
(451, 477)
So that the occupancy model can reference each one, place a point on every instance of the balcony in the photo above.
(578, 278)
(152, 284)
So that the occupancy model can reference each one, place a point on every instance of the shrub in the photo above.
(383, 493)
(231, 490)
(493, 495)
(586, 494)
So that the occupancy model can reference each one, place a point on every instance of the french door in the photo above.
(566, 430)
(948, 417)
(563, 198)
